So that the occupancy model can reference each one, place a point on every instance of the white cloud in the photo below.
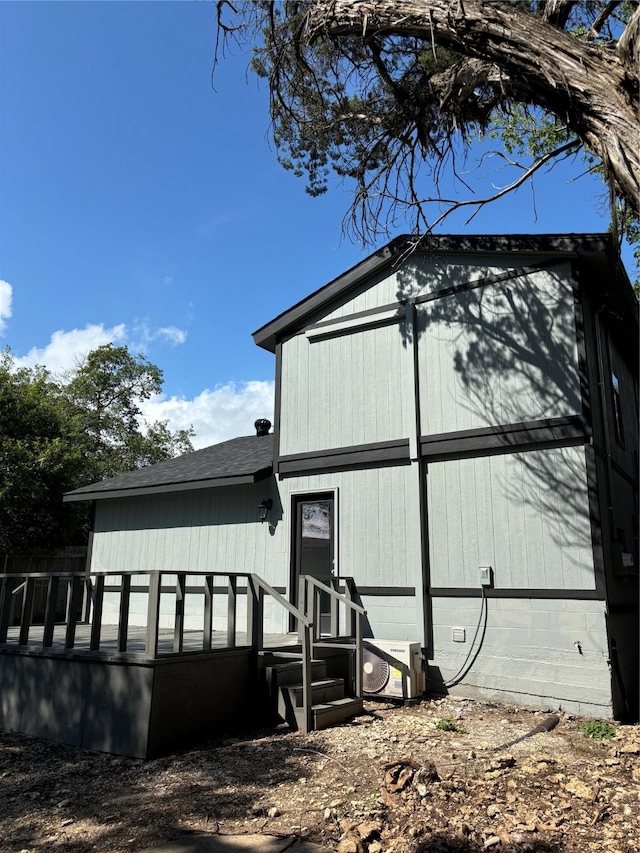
(172, 334)
(6, 292)
(226, 412)
(66, 348)
(142, 334)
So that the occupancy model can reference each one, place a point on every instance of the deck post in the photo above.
(75, 604)
(178, 630)
(208, 613)
(349, 589)
(50, 611)
(359, 655)
(6, 600)
(232, 599)
(96, 616)
(310, 606)
(307, 646)
(255, 615)
(86, 600)
(302, 603)
(316, 613)
(123, 619)
(27, 611)
(335, 611)
(153, 614)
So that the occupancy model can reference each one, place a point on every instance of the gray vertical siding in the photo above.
(343, 390)
(378, 516)
(421, 274)
(526, 514)
(500, 354)
(201, 530)
(213, 530)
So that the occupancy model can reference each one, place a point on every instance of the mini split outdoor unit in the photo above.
(392, 668)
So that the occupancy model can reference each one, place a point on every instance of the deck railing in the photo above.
(44, 609)
(69, 600)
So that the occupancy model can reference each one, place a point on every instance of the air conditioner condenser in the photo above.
(393, 668)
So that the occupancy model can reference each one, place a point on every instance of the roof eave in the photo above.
(268, 335)
(164, 488)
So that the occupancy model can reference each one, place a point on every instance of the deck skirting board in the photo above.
(126, 707)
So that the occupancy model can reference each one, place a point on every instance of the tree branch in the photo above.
(628, 48)
(381, 91)
(557, 12)
(564, 150)
(564, 75)
(600, 21)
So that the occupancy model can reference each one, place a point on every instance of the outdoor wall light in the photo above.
(263, 508)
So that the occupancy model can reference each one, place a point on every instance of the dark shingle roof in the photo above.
(237, 461)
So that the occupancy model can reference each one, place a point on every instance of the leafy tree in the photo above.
(59, 435)
(388, 92)
(38, 461)
(107, 389)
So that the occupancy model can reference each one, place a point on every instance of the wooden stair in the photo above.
(329, 705)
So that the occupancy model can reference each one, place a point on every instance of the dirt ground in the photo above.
(390, 781)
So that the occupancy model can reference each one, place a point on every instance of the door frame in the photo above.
(297, 497)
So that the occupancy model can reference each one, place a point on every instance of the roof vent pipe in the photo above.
(262, 426)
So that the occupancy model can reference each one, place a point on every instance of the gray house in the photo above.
(456, 429)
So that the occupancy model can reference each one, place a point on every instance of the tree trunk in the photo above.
(589, 87)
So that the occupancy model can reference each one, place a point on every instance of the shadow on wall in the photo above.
(228, 506)
(522, 329)
(505, 353)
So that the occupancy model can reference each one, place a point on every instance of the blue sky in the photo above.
(139, 205)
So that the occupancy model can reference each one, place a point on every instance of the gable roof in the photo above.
(238, 461)
(568, 244)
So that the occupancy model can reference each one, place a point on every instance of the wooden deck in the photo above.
(80, 673)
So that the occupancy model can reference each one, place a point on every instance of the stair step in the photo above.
(322, 690)
(329, 704)
(284, 674)
(329, 713)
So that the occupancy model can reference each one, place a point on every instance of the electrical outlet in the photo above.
(486, 575)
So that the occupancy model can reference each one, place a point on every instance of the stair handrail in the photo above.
(309, 587)
(258, 588)
(311, 581)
